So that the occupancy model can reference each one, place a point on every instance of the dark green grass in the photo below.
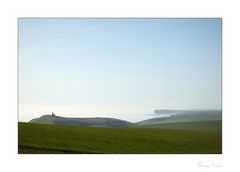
(42, 138)
(35, 150)
(203, 126)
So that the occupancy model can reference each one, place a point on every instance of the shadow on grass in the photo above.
(33, 150)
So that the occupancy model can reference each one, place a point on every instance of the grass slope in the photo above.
(189, 116)
(43, 138)
(203, 126)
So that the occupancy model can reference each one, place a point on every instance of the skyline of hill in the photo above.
(186, 116)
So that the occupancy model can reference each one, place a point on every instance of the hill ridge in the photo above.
(92, 121)
(188, 116)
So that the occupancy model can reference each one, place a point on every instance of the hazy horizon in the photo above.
(131, 117)
(123, 68)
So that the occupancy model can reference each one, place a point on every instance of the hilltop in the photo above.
(92, 122)
(186, 116)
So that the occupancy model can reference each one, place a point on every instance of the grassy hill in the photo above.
(43, 138)
(203, 126)
(188, 116)
(93, 122)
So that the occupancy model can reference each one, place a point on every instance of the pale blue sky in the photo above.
(121, 68)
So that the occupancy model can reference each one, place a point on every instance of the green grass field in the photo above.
(43, 138)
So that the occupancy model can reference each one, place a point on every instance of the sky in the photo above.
(122, 68)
